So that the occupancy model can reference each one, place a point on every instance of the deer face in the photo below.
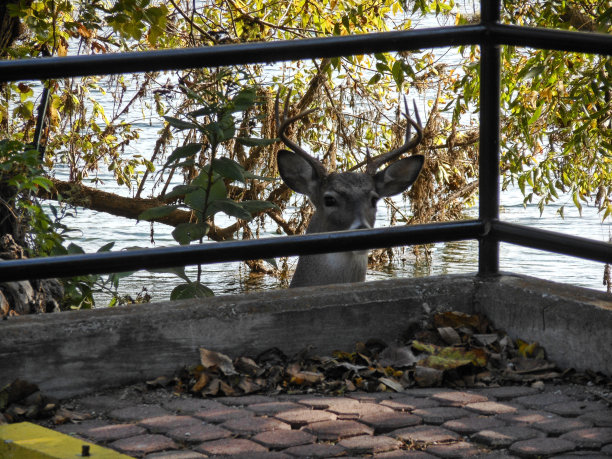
(345, 200)
(342, 200)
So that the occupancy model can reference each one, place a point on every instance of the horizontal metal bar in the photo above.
(561, 40)
(551, 241)
(238, 54)
(167, 257)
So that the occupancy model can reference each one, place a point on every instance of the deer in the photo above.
(342, 200)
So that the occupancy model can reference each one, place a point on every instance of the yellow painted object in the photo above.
(25, 440)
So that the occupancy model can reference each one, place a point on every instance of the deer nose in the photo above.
(360, 224)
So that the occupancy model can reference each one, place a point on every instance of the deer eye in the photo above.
(330, 201)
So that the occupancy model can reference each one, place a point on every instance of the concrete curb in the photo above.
(78, 352)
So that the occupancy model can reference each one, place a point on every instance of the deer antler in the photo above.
(283, 124)
(374, 163)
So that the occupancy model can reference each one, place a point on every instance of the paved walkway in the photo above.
(557, 421)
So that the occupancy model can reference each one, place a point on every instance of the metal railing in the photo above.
(489, 34)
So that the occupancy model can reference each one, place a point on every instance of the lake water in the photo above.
(96, 229)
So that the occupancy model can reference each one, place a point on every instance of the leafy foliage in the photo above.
(215, 154)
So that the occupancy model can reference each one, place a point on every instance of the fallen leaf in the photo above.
(201, 383)
(392, 384)
(397, 357)
(216, 360)
(427, 377)
(449, 336)
(247, 366)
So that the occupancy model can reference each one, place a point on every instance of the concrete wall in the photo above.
(574, 325)
(82, 351)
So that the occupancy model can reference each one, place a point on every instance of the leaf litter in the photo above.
(453, 350)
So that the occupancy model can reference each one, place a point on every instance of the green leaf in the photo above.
(244, 100)
(382, 68)
(157, 212)
(180, 124)
(228, 168)
(534, 71)
(178, 271)
(204, 111)
(398, 73)
(184, 233)
(180, 191)
(229, 207)
(106, 247)
(375, 79)
(183, 151)
(74, 249)
(190, 290)
(255, 142)
(536, 115)
(257, 206)
(43, 182)
(577, 203)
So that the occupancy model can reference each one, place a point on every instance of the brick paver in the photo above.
(162, 424)
(507, 392)
(541, 447)
(197, 433)
(315, 450)
(575, 408)
(219, 415)
(386, 422)
(439, 415)
(472, 424)
(601, 418)
(367, 444)
(541, 400)
(253, 425)
(456, 450)
(457, 398)
(175, 455)
(270, 408)
(337, 430)
(425, 434)
(138, 412)
(302, 416)
(515, 421)
(143, 444)
(410, 403)
(114, 432)
(591, 438)
(490, 408)
(281, 439)
(505, 436)
(230, 446)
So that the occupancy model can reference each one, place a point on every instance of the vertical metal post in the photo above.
(40, 122)
(490, 87)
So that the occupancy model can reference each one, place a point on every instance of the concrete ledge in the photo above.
(573, 324)
(78, 352)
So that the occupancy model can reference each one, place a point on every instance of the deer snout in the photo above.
(360, 223)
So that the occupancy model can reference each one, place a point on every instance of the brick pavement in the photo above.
(562, 421)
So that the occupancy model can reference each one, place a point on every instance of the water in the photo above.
(96, 229)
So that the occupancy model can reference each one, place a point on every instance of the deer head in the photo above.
(342, 200)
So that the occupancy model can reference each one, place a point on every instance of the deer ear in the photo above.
(398, 176)
(297, 173)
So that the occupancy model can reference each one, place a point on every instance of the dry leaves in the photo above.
(456, 350)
